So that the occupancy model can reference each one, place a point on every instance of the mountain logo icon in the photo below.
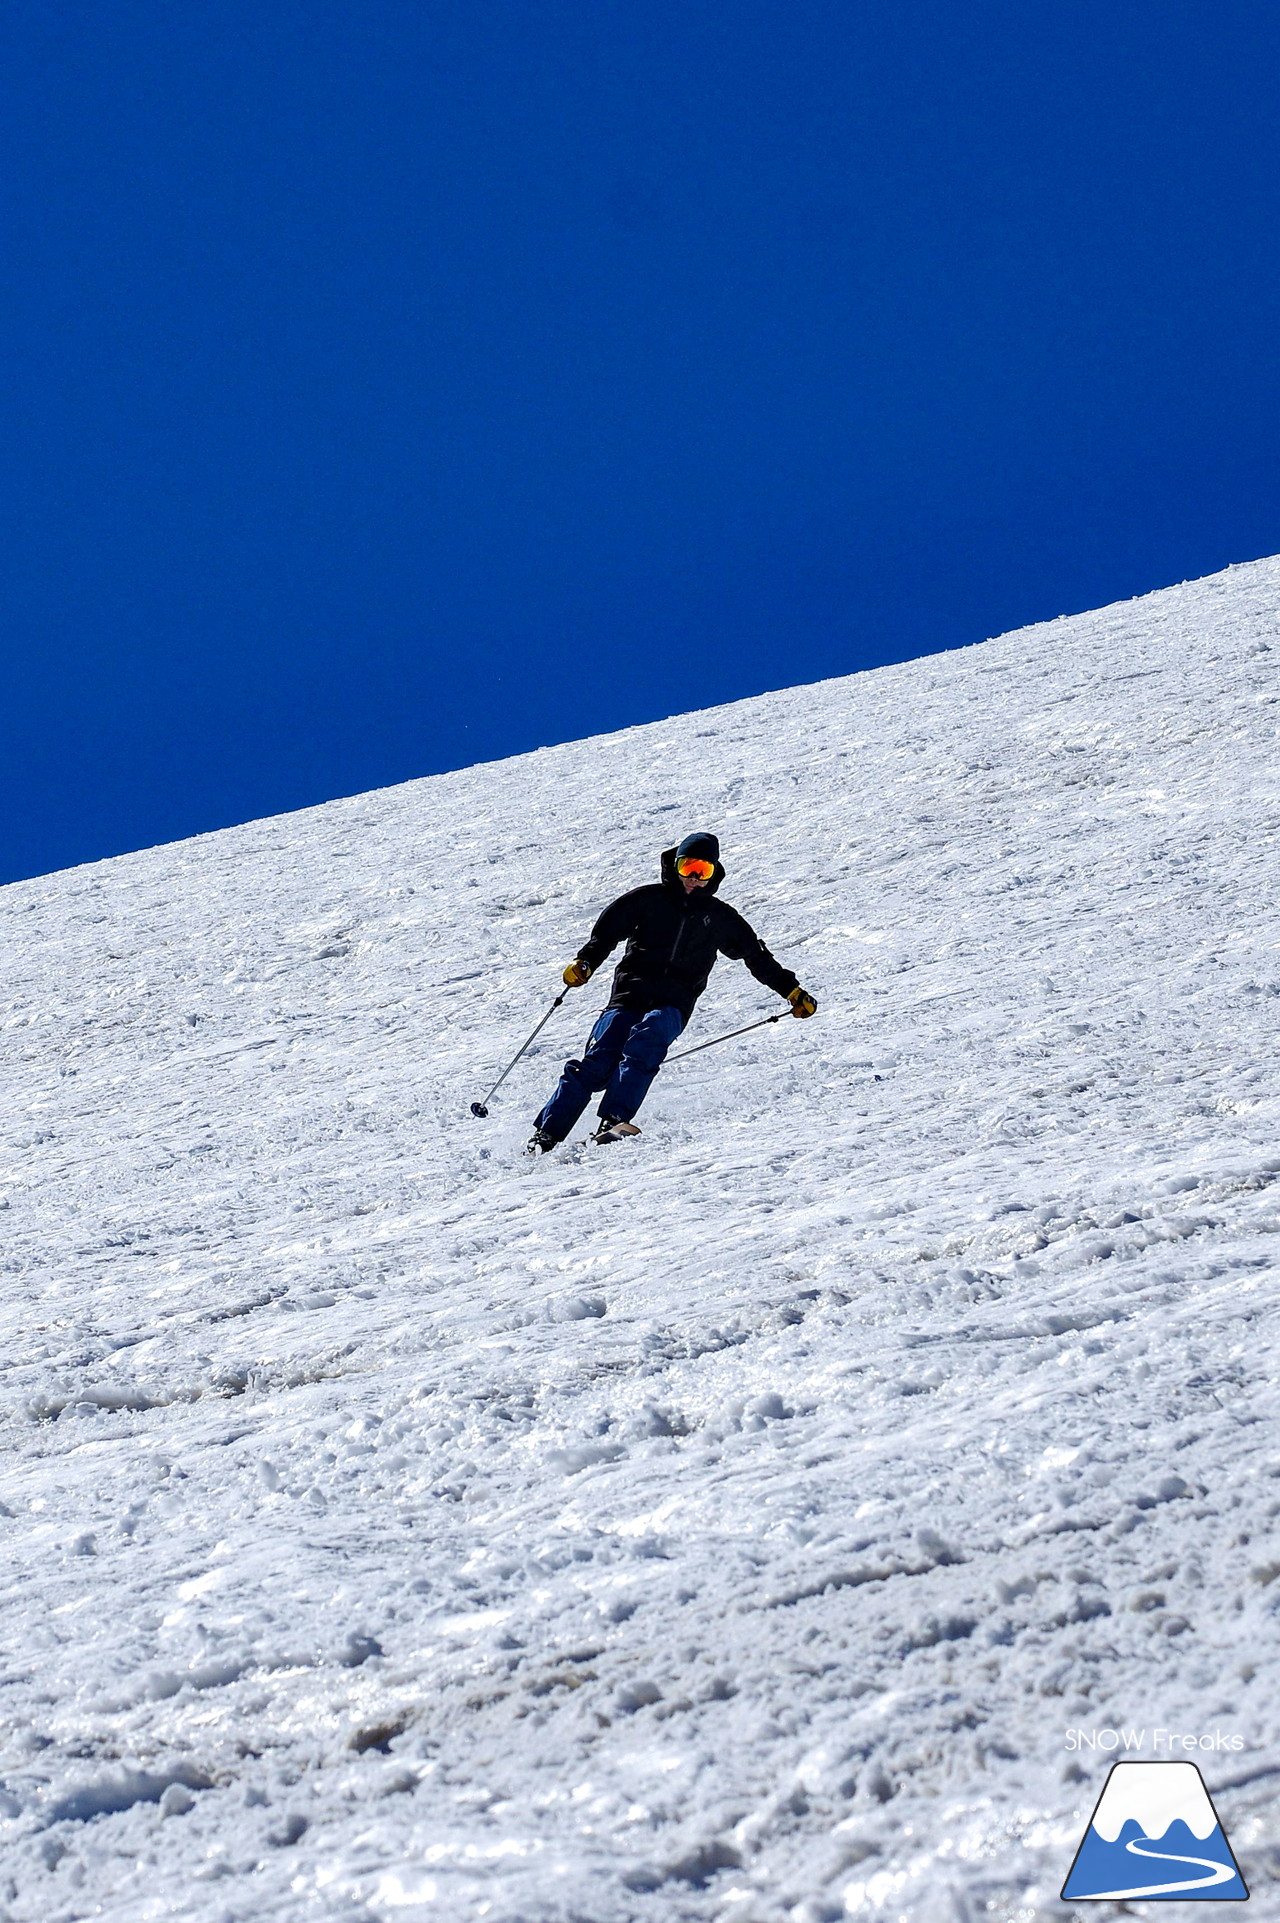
(1155, 1833)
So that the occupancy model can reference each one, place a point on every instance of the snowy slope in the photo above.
(730, 1524)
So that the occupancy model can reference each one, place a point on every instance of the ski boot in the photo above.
(611, 1131)
(539, 1142)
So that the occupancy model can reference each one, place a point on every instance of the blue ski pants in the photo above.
(623, 1054)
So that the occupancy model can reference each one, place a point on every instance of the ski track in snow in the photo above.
(724, 1525)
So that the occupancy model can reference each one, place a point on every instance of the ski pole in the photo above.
(482, 1108)
(764, 1023)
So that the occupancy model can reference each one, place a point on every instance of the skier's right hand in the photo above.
(576, 973)
(802, 1003)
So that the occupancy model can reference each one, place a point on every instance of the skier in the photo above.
(674, 930)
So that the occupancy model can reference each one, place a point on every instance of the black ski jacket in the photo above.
(672, 940)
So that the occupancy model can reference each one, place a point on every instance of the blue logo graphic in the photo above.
(1155, 1834)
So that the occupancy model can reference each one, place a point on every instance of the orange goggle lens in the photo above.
(694, 870)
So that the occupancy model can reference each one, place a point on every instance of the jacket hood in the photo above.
(672, 880)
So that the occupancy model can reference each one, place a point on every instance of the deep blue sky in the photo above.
(389, 386)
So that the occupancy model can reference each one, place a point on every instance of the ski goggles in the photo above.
(694, 870)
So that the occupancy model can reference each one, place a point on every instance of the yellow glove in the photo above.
(801, 1003)
(576, 973)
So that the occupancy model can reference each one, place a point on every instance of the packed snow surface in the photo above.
(759, 1520)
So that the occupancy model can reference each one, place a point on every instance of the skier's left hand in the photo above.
(802, 1003)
